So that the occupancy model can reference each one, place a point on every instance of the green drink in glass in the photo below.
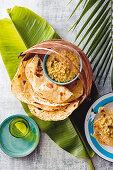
(19, 127)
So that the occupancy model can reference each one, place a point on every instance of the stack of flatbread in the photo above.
(45, 99)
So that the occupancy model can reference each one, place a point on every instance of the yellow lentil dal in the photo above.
(59, 69)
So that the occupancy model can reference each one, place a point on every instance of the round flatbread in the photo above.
(42, 85)
(20, 88)
(56, 115)
(40, 100)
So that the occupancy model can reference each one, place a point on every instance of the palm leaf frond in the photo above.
(86, 9)
(85, 2)
(93, 24)
(97, 35)
(104, 58)
(108, 69)
(104, 66)
(75, 7)
(92, 15)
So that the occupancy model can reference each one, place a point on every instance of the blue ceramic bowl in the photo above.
(61, 83)
(18, 147)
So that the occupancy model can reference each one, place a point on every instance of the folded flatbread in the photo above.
(56, 115)
(42, 85)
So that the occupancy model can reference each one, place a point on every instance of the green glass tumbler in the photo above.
(19, 127)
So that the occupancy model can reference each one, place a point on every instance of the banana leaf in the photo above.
(24, 30)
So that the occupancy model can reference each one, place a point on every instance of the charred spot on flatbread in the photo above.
(19, 76)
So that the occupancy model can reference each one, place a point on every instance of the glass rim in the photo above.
(18, 121)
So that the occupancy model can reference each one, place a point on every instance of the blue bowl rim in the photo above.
(61, 83)
(19, 156)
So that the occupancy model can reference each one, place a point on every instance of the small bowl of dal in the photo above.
(62, 64)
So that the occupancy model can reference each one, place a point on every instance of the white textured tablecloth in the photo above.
(47, 156)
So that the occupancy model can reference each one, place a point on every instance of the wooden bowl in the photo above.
(86, 74)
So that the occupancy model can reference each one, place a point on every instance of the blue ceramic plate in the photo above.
(103, 151)
(18, 147)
